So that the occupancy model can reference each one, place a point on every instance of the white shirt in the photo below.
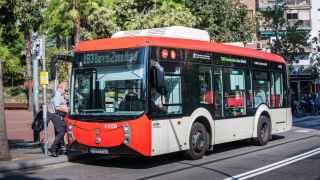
(57, 101)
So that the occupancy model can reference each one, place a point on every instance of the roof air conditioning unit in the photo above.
(172, 32)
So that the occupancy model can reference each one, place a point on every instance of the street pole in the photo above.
(35, 74)
(44, 86)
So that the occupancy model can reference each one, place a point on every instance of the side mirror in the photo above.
(159, 82)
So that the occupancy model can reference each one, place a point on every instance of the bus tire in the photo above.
(263, 131)
(198, 141)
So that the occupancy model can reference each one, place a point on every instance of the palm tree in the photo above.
(29, 17)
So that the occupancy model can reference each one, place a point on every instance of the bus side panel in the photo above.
(278, 119)
(289, 119)
(233, 129)
(169, 135)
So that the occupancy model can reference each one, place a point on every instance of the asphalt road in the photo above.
(291, 155)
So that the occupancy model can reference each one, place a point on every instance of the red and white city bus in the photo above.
(151, 95)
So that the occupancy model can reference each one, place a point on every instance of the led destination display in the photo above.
(109, 58)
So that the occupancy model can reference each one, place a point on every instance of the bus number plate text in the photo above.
(99, 151)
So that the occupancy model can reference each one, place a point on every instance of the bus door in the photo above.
(207, 95)
(223, 128)
(278, 112)
(233, 104)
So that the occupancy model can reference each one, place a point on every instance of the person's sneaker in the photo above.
(53, 153)
(60, 151)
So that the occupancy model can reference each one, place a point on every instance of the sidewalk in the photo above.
(28, 155)
(305, 118)
(24, 152)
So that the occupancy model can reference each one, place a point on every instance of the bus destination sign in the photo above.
(108, 58)
(231, 61)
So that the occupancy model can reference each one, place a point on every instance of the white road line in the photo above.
(274, 166)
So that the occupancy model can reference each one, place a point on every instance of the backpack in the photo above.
(38, 124)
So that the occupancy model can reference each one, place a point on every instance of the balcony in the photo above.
(269, 4)
(287, 4)
(298, 4)
(304, 24)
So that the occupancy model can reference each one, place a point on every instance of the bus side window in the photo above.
(206, 93)
(278, 83)
(170, 100)
(234, 92)
(217, 91)
(173, 97)
(276, 90)
(261, 88)
(249, 93)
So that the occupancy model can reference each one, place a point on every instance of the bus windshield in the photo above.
(109, 83)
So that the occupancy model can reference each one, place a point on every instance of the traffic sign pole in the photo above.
(35, 74)
(44, 81)
(45, 109)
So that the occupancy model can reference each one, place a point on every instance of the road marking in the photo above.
(274, 166)
(302, 131)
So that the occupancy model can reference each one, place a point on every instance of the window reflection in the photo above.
(234, 92)
(169, 100)
(261, 88)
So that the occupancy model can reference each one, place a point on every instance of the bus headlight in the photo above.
(70, 127)
(127, 135)
(70, 133)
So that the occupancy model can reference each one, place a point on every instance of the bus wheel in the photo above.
(198, 141)
(263, 131)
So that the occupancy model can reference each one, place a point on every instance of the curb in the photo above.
(7, 166)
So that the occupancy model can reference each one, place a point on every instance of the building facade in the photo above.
(252, 7)
(294, 11)
(303, 77)
(315, 18)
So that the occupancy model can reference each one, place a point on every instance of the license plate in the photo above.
(99, 151)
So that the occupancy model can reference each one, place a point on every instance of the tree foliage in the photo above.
(100, 21)
(224, 20)
(293, 41)
(167, 14)
(29, 13)
(97, 19)
(11, 45)
(66, 22)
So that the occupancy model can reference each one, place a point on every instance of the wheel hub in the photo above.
(263, 130)
(198, 141)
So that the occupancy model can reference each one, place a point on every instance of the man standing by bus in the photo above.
(59, 110)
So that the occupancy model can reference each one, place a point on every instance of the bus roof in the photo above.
(133, 42)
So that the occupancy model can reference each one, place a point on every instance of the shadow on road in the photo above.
(22, 175)
(146, 162)
(130, 162)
